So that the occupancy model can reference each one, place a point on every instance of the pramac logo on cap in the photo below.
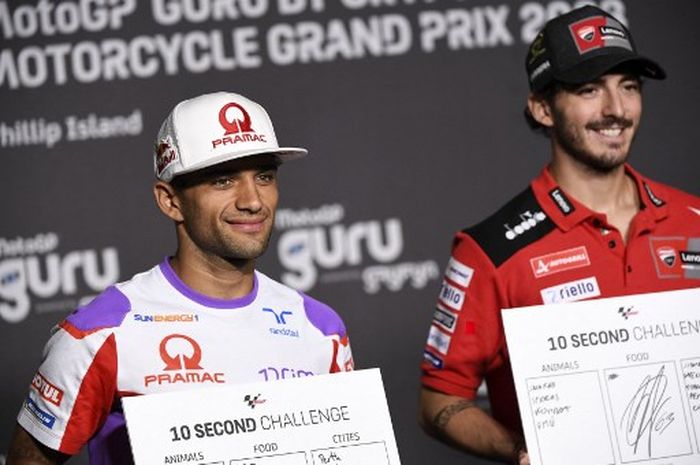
(238, 128)
(235, 125)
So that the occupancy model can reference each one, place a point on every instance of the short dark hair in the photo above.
(552, 89)
(547, 94)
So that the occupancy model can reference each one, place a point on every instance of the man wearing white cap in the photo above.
(203, 316)
(588, 226)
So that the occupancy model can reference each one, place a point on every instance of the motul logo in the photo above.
(47, 390)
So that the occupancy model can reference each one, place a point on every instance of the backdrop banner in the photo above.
(412, 111)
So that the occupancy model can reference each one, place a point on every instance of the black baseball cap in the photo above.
(581, 46)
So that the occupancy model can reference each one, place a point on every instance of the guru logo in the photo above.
(182, 356)
(33, 275)
(237, 125)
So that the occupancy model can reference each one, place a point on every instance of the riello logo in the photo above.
(237, 125)
(182, 356)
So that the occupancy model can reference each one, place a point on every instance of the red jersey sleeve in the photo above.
(465, 339)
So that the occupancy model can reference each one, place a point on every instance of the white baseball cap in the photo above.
(212, 129)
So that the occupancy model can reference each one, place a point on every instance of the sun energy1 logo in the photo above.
(33, 275)
(316, 245)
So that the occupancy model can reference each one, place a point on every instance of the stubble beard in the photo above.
(600, 163)
(233, 249)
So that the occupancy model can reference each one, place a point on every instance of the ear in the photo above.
(168, 200)
(540, 110)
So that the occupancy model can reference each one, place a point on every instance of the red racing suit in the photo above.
(544, 247)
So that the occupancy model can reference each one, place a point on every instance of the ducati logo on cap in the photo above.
(238, 128)
(598, 32)
(586, 33)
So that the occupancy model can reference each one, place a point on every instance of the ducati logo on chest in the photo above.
(676, 257)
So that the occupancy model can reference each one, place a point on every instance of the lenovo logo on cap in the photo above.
(238, 126)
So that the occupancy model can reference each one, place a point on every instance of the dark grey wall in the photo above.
(413, 139)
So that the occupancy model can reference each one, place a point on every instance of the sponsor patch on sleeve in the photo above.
(44, 417)
(458, 272)
(571, 292)
(451, 296)
(445, 319)
(47, 390)
(433, 359)
(439, 340)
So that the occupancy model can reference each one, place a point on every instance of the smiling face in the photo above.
(227, 211)
(595, 123)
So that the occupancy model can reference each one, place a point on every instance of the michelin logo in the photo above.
(45, 418)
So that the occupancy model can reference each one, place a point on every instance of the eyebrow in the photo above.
(223, 171)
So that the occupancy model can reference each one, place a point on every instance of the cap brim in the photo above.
(595, 67)
(282, 153)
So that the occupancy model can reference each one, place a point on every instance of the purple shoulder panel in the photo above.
(107, 310)
(323, 317)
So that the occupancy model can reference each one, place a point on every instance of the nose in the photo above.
(614, 103)
(247, 195)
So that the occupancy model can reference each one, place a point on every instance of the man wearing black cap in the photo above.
(588, 226)
(202, 317)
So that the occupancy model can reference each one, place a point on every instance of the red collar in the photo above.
(566, 212)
